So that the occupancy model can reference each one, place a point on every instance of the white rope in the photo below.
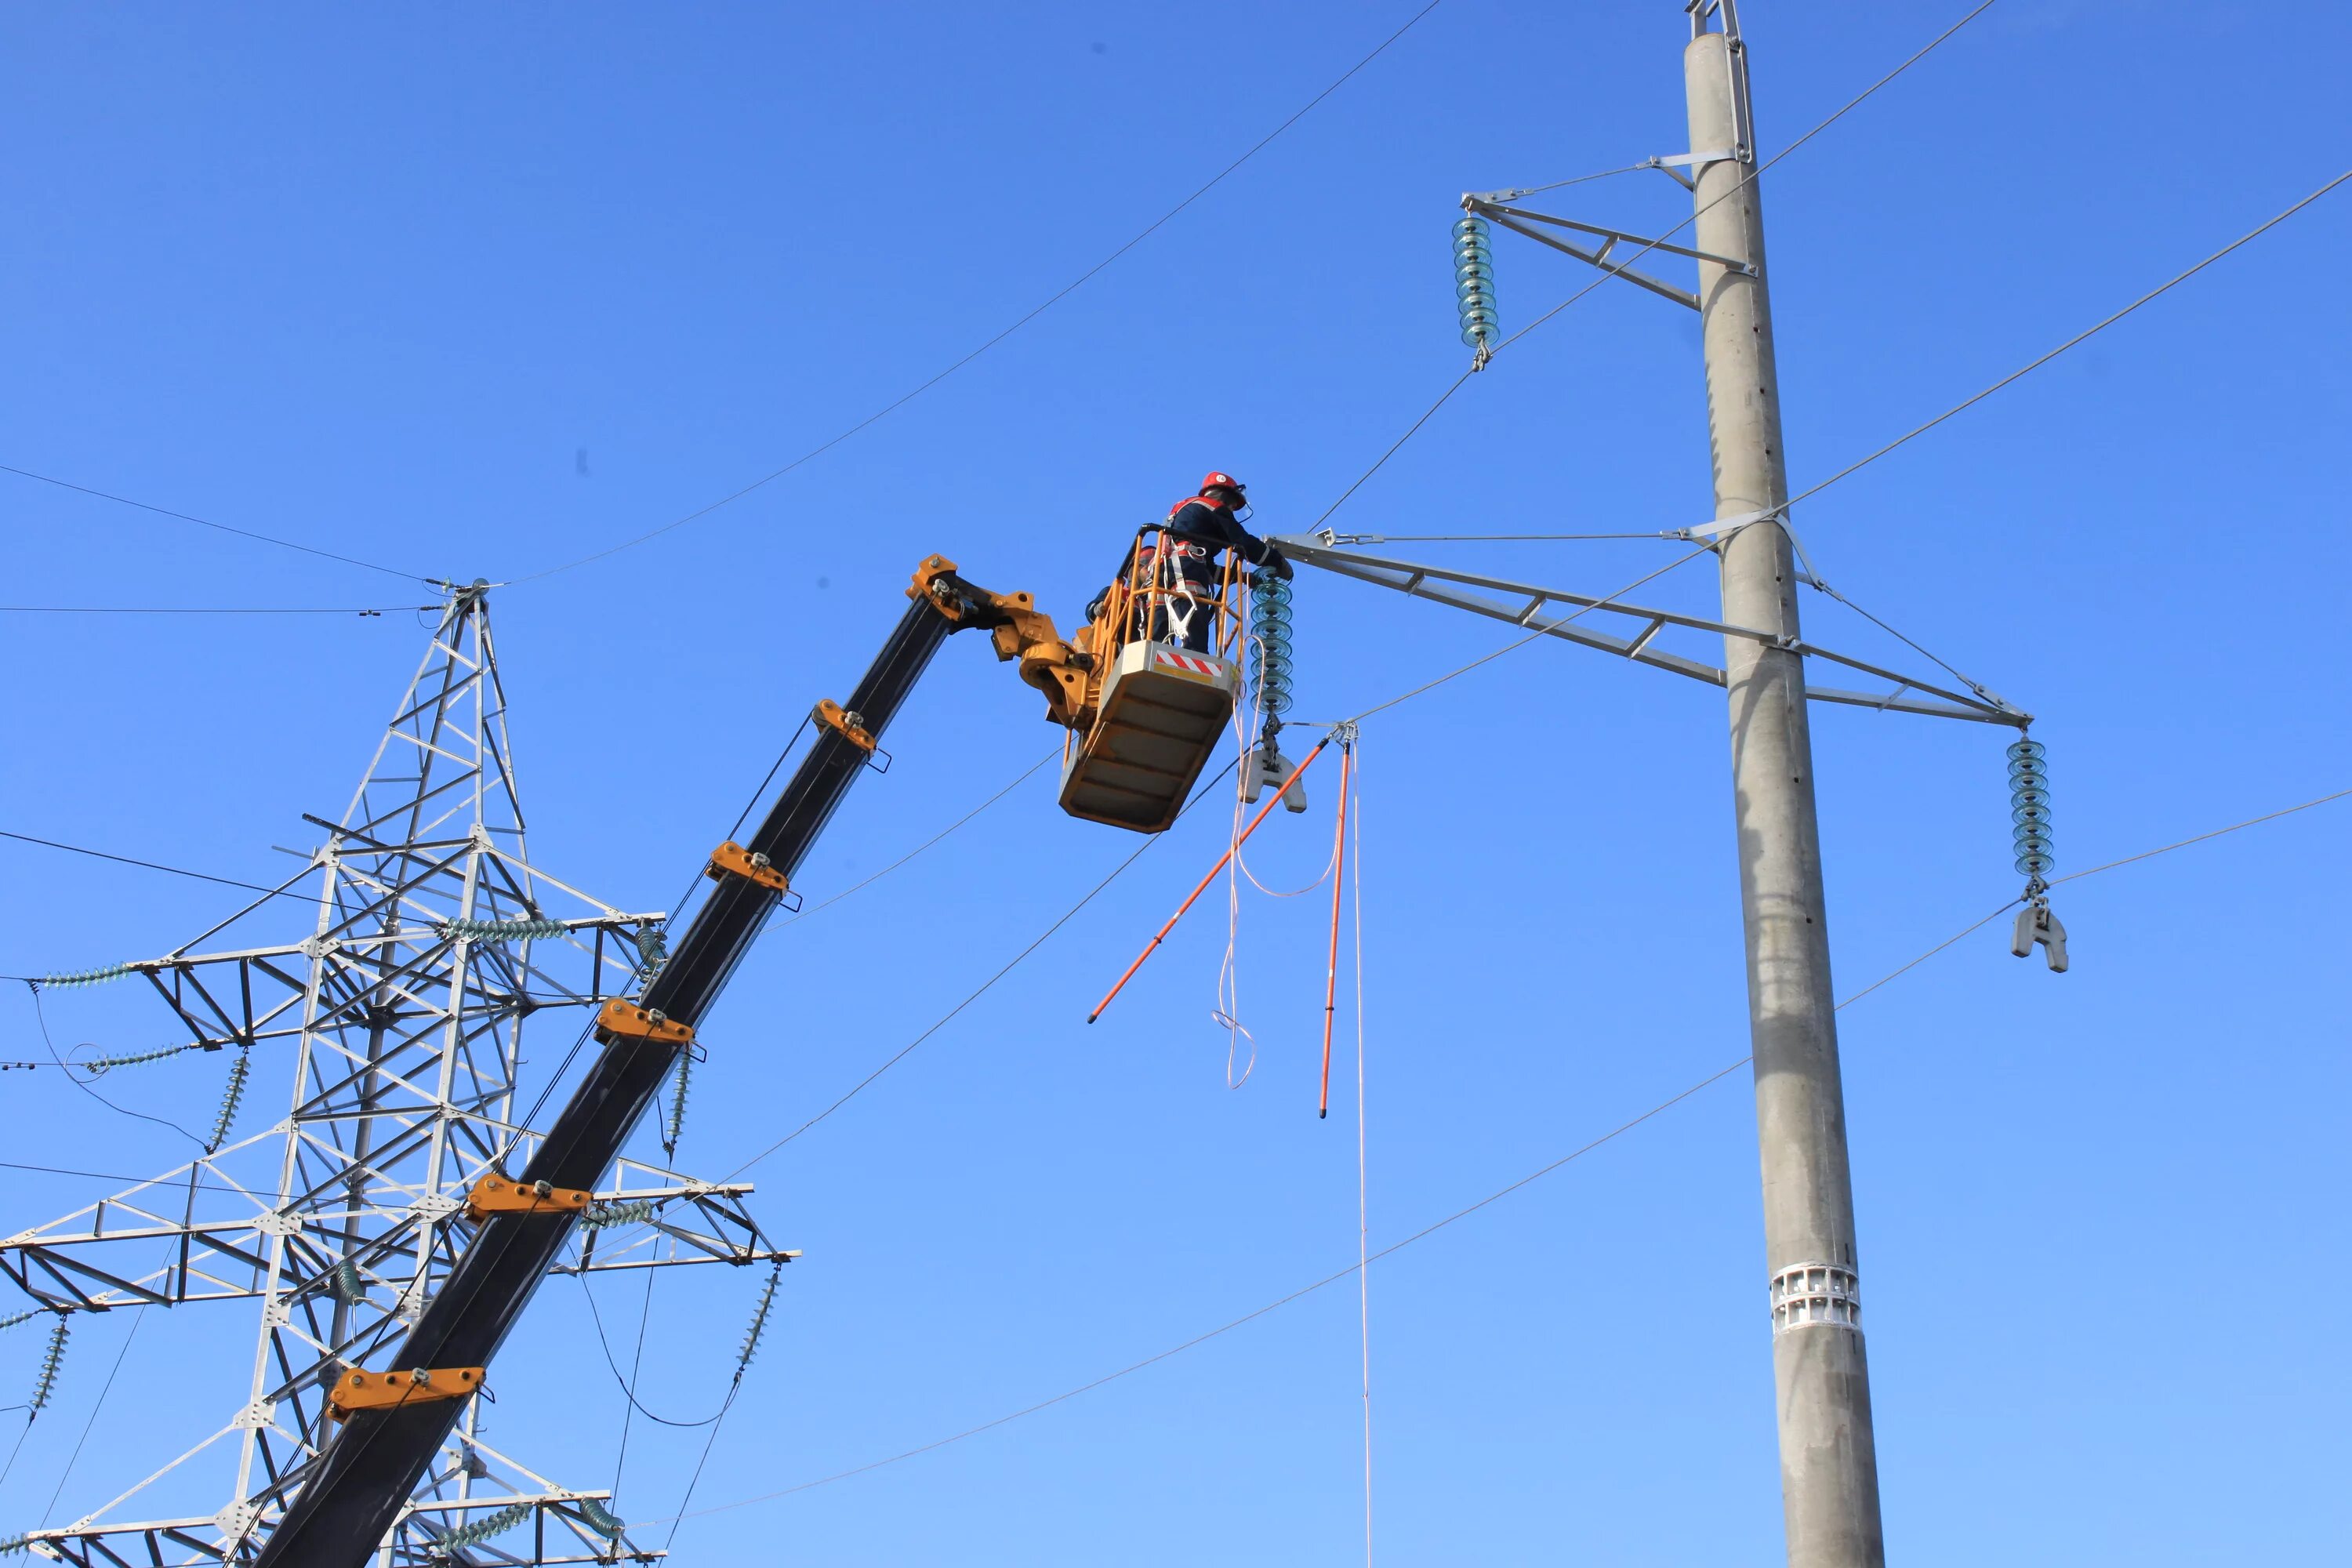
(1363, 1212)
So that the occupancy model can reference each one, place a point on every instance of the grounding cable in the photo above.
(1376, 1256)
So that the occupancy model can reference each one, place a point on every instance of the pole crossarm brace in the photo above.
(1526, 603)
(1518, 219)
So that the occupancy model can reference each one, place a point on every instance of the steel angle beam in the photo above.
(1549, 611)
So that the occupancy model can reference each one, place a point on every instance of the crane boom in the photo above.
(354, 1493)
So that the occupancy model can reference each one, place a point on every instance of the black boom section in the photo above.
(356, 1492)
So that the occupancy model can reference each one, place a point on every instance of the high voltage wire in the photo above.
(1055, 298)
(2019, 373)
(1611, 1136)
(202, 610)
(278, 892)
(207, 522)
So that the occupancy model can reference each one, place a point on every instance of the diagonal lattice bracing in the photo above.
(398, 1012)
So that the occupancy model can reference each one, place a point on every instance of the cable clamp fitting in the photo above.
(732, 860)
(497, 1194)
(850, 727)
(2035, 923)
(356, 1391)
(619, 1020)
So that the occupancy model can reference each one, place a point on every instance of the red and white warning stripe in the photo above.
(1190, 663)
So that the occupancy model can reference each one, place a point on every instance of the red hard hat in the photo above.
(1214, 481)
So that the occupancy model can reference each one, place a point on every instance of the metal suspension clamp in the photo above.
(620, 1020)
(2035, 923)
(356, 1391)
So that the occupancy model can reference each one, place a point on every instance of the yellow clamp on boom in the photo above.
(850, 728)
(619, 1020)
(495, 1194)
(731, 858)
(923, 587)
(356, 1390)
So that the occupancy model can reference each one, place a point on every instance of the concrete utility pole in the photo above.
(1828, 1464)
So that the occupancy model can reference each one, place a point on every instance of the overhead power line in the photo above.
(2023, 370)
(207, 522)
(278, 892)
(1461, 1214)
(1051, 301)
(200, 610)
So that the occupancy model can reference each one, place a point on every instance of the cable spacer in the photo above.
(850, 727)
(497, 1194)
(356, 1391)
(620, 1020)
(731, 858)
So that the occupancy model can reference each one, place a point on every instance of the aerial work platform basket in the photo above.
(1156, 705)
(1163, 709)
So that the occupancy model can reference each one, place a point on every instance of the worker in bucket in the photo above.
(1197, 528)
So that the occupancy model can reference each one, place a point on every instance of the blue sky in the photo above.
(476, 292)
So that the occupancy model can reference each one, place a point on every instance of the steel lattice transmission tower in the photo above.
(432, 939)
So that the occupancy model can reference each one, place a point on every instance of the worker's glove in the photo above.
(1277, 563)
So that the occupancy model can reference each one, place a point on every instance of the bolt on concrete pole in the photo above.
(1828, 1466)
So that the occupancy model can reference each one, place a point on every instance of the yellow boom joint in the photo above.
(620, 1020)
(849, 726)
(356, 1391)
(732, 860)
(495, 1194)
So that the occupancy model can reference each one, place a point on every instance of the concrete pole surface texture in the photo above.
(1828, 1466)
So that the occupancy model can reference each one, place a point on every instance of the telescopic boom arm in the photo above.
(354, 1493)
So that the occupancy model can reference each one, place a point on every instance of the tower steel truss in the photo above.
(433, 938)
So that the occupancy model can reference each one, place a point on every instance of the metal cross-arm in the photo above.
(1520, 219)
(1530, 606)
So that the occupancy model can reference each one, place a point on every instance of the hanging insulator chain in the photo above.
(676, 1122)
(1473, 288)
(1270, 643)
(759, 1321)
(481, 1530)
(81, 977)
(600, 1519)
(653, 951)
(506, 930)
(45, 1381)
(233, 1097)
(2029, 814)
(96, 1066)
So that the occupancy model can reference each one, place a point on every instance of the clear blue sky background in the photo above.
(373, 283)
